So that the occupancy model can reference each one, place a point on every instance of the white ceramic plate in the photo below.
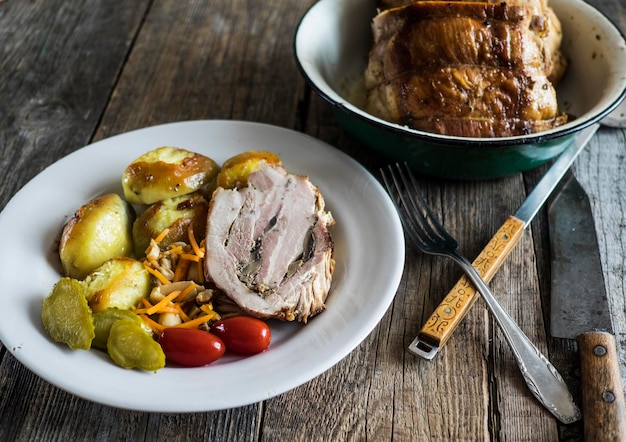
(369, 254)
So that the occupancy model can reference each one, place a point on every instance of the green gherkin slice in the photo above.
(66, 315)
(130, 346)
(103, 321)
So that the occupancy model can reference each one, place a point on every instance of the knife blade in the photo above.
(580, 310)
(448, 315)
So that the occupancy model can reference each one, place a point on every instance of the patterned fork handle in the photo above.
(457, 303)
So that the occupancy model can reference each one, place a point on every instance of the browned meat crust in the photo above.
(462, 68)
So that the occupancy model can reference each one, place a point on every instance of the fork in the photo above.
(427, 233)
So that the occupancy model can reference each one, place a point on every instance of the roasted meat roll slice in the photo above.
(268, 247)
(460, 68)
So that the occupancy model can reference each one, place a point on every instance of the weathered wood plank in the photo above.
(601, 170)
(210, 60)
(58, 64)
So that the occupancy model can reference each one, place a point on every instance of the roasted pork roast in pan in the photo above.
(472, 69)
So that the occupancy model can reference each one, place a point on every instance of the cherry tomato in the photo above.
(190, 347)
(243, 334)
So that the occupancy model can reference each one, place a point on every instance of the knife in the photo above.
(457, 303)
(580, 310)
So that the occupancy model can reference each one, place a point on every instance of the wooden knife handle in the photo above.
(451, 311)
(604, 412)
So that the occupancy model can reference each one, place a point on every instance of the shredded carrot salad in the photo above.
(176, 302)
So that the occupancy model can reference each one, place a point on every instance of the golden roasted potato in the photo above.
(236, 169)
(119, 282)
(166, 172)
(175, 214)
(98, 231)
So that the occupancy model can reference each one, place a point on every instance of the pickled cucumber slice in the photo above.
(66, 316)
(130, 346)
(103, 321)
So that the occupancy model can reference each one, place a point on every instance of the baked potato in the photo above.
(98, 231)
(166, 172)
(119, 282)
(175, 214)
(235, 171)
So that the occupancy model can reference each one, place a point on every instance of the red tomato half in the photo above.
(191, 347)
(243, 334)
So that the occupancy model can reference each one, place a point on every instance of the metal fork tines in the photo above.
(426, 232)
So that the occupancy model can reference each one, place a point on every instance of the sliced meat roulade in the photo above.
(268, 246)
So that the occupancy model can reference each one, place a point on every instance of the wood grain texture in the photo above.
(209, 60)
(601, 169)
(603, 397)
(76, 72)
(59, 62)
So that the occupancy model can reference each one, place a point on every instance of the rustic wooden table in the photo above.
(75, 72)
